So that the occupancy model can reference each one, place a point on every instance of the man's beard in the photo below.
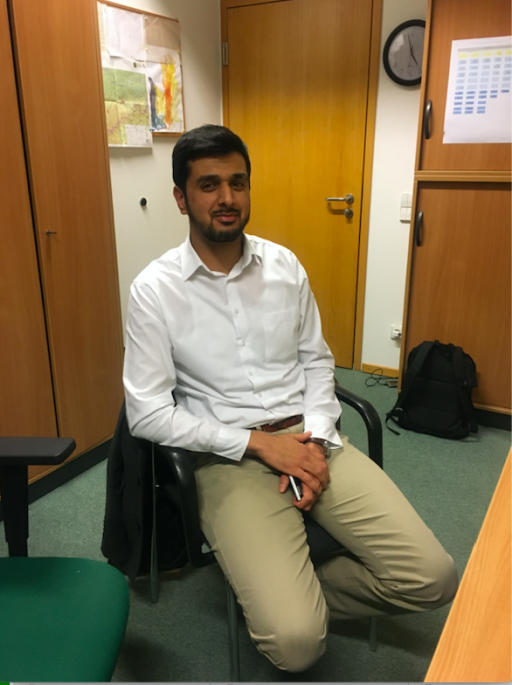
(227, 235)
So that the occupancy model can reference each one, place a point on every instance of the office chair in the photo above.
(61, 619)
(173, 475)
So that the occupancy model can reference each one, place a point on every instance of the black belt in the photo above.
(280, 425)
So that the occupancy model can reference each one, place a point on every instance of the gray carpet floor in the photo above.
(183, 638)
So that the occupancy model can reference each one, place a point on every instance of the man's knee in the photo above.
(298, 648)
(434, 585)
(296, 645)
(445, 581)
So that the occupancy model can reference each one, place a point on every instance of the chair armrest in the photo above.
(371, 419)
(181, 463)
(28, 451)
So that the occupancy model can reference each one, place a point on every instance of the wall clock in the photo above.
(403, 52)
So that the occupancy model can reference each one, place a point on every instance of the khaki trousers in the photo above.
(394, 563)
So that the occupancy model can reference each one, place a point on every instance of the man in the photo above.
(225, 356)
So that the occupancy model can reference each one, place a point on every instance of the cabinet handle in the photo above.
(48, 232)
(417, 229)
(426, 119)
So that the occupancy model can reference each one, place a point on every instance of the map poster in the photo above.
(126, 106)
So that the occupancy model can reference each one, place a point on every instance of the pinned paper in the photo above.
(142, 78)
(478, 103)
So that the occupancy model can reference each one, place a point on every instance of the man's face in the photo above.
(217, 200)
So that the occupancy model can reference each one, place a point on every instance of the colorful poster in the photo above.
(165, 95)
(478, 103)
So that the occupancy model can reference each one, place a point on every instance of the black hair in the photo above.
(205, 141)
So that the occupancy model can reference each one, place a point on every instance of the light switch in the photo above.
(405, 206)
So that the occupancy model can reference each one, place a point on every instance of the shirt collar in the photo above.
(191, 262)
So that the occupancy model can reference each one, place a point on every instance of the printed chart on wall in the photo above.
(142, 80)
(478, 104)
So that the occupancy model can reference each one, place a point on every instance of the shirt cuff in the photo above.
(231, 442)
(322, 427)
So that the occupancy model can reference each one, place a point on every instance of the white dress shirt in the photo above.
(210, 355)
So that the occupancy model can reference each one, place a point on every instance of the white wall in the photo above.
(393, 172)
(145, 234)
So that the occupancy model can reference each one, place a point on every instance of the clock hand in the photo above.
(411, 50)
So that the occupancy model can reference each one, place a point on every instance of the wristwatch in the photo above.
(323, 443)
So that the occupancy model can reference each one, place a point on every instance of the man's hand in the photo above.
(287, 454)
(308, 496)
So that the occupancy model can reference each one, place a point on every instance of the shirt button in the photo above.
(236, 311)
(242, 343)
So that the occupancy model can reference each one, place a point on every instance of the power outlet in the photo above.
(396, 332)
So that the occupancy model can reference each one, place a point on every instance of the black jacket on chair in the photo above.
(129, 509)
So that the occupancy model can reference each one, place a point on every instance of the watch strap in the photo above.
(319, 441)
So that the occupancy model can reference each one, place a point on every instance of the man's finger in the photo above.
(283, 483)
(312, 482)
(300, 437)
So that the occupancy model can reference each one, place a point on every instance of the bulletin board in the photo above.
(142, 75)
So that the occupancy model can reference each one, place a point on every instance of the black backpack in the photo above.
(436, 392)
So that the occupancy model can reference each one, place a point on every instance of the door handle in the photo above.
(48, 232)
(349, 199)
(426, 119)
(417, 228)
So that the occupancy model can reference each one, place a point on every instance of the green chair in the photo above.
(61, 619)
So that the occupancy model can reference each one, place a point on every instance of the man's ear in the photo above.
(180, 200)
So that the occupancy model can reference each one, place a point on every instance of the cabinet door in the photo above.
(59, 75)
(26, 397)
(457, 20)
(460, 285)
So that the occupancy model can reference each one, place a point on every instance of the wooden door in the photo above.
(26, 397)
(58, 69)
(460, 280)
(296, 91)
(457, 20)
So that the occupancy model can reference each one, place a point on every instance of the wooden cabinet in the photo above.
(460, 285)
(458, 280)
(451, 20)
(26, 395)
(60, 300)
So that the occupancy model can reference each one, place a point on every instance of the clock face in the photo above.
(403, 52)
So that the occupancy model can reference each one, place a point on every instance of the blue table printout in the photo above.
(478, 103)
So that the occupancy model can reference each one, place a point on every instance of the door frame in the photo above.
(371, 110)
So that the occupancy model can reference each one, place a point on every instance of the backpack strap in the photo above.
(410, 376)
(462, 387)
